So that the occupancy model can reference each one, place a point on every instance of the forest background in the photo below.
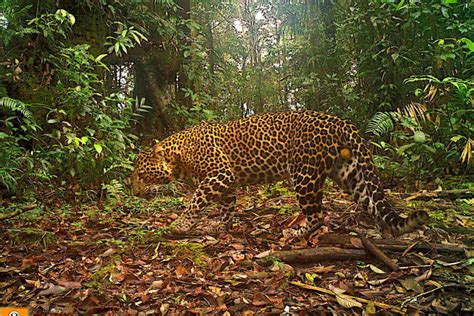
(85, 84)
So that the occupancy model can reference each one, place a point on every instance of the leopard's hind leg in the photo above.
(309, 181)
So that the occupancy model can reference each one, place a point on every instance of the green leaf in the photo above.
(72, 19)
(419, 137)
(61, 12)
(469, 43)
(98, 148)
(456, 138)
(100, 57)
(84, 139)
(376, 269)
(400, 5)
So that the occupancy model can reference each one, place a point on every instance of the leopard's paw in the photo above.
(292, 233)
(182, 228)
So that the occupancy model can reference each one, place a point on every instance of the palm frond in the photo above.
(383, 123)
(416, 111)
(466, 155)
(15, 105)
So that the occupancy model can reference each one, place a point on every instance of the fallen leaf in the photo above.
(116, 276)
(377, 282)
(264, 254)
(52, 290)
(215, 290)
(424, 276)
(277, 301)
(156, 285)
(9, 269)
(180, 271)
(376, 269)
(35, 283)
(411, 284)
(336, 289)
(340, 275)
(164, 308)
(356, 242)
(70, 284)
(237, 246)
(108, 252)
(259, 299)
(347, 301)
(370, 309)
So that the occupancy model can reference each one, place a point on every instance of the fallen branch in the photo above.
(359, 299)
(311, 255)
(373, 249)
(346, 241)
(20, 211)
(414, 298)
(445, 194)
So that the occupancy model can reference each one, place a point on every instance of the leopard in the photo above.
(303, 146)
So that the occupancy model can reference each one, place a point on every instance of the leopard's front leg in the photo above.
(208, 191)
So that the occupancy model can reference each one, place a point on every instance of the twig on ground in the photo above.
(389, 244)
(408, 300)
(359, 299)
(371, 248)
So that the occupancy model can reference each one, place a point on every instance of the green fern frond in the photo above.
(15, 105)
(383, 123)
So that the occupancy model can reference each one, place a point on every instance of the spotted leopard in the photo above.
(303, 146)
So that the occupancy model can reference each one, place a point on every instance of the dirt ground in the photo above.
(117, 258)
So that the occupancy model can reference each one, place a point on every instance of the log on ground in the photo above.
(312, 255)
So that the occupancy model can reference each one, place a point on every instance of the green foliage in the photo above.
(123, 39)
(75, 79)
(78, 134)
(442, 140)
(383, 123)
(52, 26)
(18, 129)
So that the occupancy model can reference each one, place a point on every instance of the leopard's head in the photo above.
(152, 168)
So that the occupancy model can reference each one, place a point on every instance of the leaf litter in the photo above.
(121, 260)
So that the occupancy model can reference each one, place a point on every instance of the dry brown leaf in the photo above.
(264, 254)
(335, 289)
(424, 276)
(180, 271)
(356, 242)
(378, 281)
(411, 284)
(108, 252)
(52, 290)
(237, 246)
(156, 285)
(346, 301)
(70, 284)
(116, 276)
(370, 309)
(259, 299)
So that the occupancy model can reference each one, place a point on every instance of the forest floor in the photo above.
(117, 258)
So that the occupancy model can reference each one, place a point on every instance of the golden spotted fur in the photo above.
(304, 146)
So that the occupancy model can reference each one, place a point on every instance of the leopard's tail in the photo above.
(355, 172)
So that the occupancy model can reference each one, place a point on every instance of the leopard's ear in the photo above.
(158, 151)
